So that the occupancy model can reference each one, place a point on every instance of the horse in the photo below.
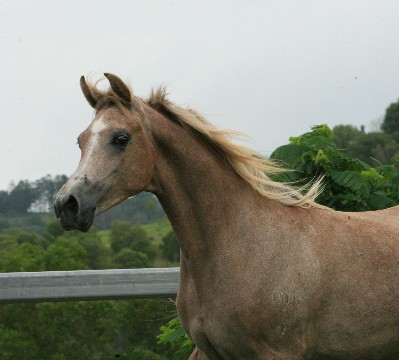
(266, 272)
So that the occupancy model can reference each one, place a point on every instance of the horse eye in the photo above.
(121, 140)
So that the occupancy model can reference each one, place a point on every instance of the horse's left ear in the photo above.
(119, 88)
(87, 92)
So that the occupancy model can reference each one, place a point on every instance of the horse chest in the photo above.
(225, 329)
(212, 325)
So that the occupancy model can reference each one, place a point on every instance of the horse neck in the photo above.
(201, 195)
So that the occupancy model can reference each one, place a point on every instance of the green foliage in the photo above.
(141, 354)
(32, 222)
(373, 148)
(53, 230)
(66, 254)
(98, 330)
(98, 251)
(26, 257)
(4, 224)
(127, 235)
(20, 198)
(128, 258)
(16, 344)
(173, 333)
(349, 183)
(346, 136)
(170, 248)
(391, 120)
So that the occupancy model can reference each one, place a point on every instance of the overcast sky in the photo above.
(270, 69)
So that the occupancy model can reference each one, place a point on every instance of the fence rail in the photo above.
(88, 285)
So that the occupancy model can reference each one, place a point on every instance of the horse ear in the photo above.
(119, 88)
(87, 92)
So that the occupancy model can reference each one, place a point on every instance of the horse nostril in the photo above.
(71, 205)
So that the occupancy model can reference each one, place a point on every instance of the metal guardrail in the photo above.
(88, 285)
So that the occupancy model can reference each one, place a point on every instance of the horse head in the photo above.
(117, 160)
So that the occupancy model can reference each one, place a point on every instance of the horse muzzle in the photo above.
(72, 215)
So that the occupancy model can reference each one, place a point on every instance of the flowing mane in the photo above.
(248, 164)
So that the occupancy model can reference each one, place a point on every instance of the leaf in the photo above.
(171, 332)
(321, 157)
(290, 154)
(352, 180)
(321, 137)
(379, 200)
(345, 162)
(287, 177)
(323, 130)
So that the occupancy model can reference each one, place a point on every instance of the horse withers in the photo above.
(266, 273)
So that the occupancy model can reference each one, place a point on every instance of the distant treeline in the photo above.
(30, 196)
(27, 199)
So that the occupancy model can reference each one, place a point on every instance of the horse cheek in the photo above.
(139, 168)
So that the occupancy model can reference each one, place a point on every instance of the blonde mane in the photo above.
(248, 164)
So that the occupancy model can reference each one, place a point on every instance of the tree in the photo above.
(98, 253)
(346, 136)
(23, 257)
(383, 147)
(53, 230)
(141, 354)
(21, 197)
(36, 196)
(390, 123)
(17, 345)
(46, 187)
(5, 205)
(170, 248)
(373, 148)
(4, 224)
(130, 259)
(126, 235)
(65, 254)
(349, 183)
